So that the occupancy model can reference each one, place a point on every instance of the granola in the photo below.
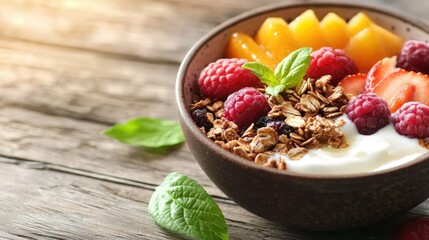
(424, 142)
(309, 110)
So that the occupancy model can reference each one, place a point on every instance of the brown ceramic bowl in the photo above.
(312, 202)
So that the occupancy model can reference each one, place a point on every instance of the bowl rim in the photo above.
(228, 156)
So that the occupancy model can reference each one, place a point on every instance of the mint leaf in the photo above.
(147, 132)
(288, 73)
(293, 68)
(182, 206)
(275, 90)
(264, 73)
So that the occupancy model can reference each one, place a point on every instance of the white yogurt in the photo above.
(366, 153)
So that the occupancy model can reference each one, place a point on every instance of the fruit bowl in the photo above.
(304, 201)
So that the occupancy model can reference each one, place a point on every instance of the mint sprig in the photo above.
(288, 73)
(149, 133)
(182, 206)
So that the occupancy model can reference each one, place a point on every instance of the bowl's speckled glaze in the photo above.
(302, 201)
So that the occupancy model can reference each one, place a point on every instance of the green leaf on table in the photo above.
(182, 206)
(147, 132)
(288, 73)
(293, 68)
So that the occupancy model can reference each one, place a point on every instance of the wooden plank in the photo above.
(149, 29)
(79, 145)
(155, 30)
(85, 85)
(43, 204)
(37, 204)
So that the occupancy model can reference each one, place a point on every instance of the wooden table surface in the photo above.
(70, 69)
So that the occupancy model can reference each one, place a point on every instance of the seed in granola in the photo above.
(201, 104)
(330, 109)
(240, 152)
(296, 153)
(308, 142)
(249, 132)
(265, 139)
(200, 117)
(333, 115)
(281, 165)
(288, 110)
(309, 103)
(210, 117)
(245, 143)
(229, 135)
(261, 158)
(322, 98)
(272, 163)
(295, 121)
(323, 82)
(302, 87)
(218, 105)
(424, 142)
(337, 142)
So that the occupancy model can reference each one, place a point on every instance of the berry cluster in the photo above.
(398, 87)
(395, 90)
(370, 113)
(227, 79)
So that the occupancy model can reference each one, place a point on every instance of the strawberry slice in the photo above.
(354, 84)
(405, 94)
(380, 70)
(402, 86)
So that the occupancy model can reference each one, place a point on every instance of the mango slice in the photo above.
(366, 48)
(306, 30)
(241, 45)
(358, 23)
(363, 40)
(275, 37)
(361, 21)
(334, 30)
(393, 42)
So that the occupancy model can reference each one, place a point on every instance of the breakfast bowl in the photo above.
(301, 200)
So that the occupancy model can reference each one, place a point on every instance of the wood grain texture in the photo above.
(85, 85)
(71, 68)
(37, 203)
(79, 145)
(150, 29)
(155, 30)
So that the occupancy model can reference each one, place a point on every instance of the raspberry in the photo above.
(245, 106)
(225, 76)
(368, 112)
(414, 56)
(412, 120)
(329, 61)
(416, 228)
